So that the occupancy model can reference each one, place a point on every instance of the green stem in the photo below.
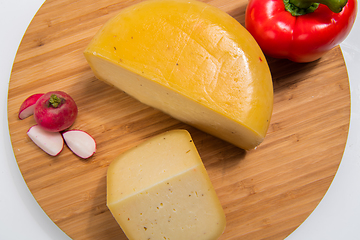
(54, 101)
(301, 7)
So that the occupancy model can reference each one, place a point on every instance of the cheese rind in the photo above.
(193, 62)
(161, 190)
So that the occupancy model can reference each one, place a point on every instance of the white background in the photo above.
(336, 218)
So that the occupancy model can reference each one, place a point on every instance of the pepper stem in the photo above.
(54, 101)
(301, 7)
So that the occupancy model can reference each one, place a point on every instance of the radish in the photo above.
(27, 107)
(55, 111)
(51, 142)
(80, 143)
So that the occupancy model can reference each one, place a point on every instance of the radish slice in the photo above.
(80, 143)
(51, 142)
(27, 107)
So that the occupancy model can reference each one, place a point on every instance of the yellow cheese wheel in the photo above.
(161, 190)
(191, 61)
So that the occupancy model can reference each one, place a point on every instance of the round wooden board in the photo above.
(266, 193)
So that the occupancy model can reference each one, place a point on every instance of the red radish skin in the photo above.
(27, 107)
(50, 142)
(80, 143)
(55, 111)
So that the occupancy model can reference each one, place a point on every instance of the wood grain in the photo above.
(266, 193)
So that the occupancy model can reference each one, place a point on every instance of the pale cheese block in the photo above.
(161, 190)
(191, 61)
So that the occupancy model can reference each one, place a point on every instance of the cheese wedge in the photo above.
(161, 190)
(191, 61)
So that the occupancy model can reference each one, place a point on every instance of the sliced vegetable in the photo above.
(51, 142)
(299, 30)
(55, 111)
(81, 143)
(27, 107)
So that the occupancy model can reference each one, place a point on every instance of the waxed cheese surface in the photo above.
(193, 49)
(161, 190)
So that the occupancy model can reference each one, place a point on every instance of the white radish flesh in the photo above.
(51, 142)
(81, 143)
(27, 107)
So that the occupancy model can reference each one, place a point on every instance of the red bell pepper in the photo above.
(299, 30)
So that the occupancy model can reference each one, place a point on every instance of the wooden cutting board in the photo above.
(266, 193)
